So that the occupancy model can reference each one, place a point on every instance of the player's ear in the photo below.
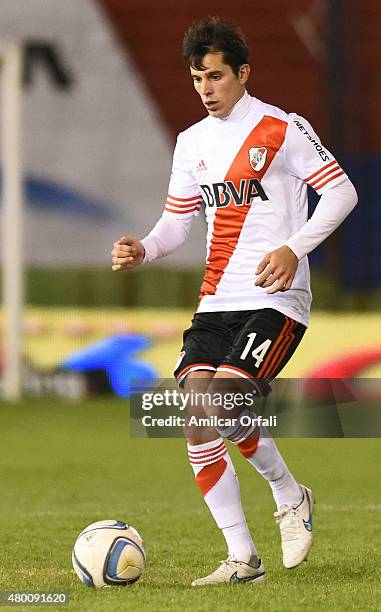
(243, 73)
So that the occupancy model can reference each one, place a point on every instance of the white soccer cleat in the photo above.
(295, 524)
(234, 572)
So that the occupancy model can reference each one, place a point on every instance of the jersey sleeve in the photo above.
(184, 194)
(308, 159)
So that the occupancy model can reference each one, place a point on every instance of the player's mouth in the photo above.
(211, 105)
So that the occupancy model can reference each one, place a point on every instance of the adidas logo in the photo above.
(201, 166)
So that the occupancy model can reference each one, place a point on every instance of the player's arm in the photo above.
(307, 159)
(334, 206)
(168, 235)
(172, 229)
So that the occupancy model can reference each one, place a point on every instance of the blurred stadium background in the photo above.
(105, 93)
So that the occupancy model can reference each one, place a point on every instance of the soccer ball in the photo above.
(108, 553)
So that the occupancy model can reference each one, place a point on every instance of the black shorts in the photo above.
(248, 343)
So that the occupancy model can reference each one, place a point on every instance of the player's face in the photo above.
(217, 85)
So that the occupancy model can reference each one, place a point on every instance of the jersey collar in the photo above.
(238, 111)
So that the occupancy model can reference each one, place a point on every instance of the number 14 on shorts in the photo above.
(258, 352)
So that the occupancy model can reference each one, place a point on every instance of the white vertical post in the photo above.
(12, 196)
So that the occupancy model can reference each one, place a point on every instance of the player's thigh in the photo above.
(205, 345)
(263, 345)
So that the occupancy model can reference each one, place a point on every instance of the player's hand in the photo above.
(128, 252)
(277, 269)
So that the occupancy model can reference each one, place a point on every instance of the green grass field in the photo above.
(64, 466)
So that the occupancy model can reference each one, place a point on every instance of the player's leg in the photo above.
(217, 480)
(205, 345)
(294, 515)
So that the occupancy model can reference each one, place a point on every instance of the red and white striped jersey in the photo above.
(250, 172)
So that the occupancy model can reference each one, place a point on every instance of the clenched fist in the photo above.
(128, 253)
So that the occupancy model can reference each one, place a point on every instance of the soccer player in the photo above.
(248, 163)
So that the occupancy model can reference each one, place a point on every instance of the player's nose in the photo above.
(205, 88)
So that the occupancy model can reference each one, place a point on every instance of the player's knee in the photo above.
(196, 435)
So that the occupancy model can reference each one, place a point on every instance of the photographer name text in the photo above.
(212, 421)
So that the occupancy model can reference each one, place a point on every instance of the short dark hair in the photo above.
(213, 35)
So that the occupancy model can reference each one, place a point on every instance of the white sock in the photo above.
(268, 462)
(217, 480)
(257, 446)
(240, 544)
